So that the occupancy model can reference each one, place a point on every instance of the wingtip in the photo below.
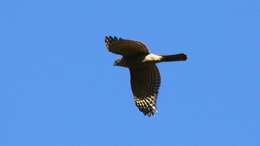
(110, 39)
(146, 106)
(151, 113)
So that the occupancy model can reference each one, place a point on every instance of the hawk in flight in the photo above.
(145, 76)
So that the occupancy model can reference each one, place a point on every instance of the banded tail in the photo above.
(176, 57)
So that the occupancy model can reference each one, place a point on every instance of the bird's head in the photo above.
(120, 62)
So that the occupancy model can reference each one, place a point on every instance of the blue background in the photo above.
(58, 86)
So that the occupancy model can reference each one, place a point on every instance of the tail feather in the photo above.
(176, 57)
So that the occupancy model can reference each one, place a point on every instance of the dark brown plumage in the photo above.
(145, 76)
(145, 83)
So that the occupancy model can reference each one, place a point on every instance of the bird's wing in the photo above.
(125, 47)
(145, 83)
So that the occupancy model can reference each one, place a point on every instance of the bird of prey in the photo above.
(145, 76)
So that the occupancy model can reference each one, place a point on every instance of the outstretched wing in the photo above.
(145, 83)
(125, 47)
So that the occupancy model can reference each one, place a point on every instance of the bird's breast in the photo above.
(134, 61)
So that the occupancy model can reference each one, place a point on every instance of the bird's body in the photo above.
(145, 76)
(133, 61)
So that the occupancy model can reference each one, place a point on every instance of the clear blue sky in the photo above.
(58, 86)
